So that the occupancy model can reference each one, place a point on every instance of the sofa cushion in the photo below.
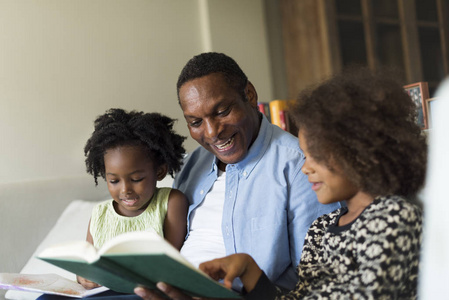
(71, 225)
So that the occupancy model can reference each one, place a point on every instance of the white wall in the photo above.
(434, 272)
(62, 63)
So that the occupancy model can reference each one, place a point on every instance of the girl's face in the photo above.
(329, 186)
(131, 177)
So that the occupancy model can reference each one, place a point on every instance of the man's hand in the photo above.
(170, 291)
(87, 284)
(227, 268)
(232, 266)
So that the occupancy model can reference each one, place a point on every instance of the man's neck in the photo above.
(222, 166)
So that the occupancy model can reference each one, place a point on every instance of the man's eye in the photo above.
(195, 123)
(224, 112)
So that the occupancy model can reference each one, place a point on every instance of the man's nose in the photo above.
(212, 129)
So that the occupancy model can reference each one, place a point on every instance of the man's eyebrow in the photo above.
(214, 108)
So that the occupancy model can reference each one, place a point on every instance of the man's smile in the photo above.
(225, 146)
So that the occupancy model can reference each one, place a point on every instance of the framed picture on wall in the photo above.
(419, 92)
(431, 106)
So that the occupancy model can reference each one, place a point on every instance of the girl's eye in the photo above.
(113, 181)
(137, 180)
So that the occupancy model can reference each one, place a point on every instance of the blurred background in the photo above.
(64, 62)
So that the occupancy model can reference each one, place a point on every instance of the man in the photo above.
(245, 186)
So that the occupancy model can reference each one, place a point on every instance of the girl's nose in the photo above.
(306, 168)
(126, 189)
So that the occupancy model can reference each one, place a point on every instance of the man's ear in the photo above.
(161, 172)
(251, 94)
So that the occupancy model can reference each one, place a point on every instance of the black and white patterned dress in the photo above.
(374, 257)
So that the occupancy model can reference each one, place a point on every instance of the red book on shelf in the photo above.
(283, 119)
(276, 106)
(261, 108)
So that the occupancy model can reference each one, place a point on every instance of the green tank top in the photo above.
(105, 223)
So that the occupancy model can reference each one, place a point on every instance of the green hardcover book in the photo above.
(132, 259)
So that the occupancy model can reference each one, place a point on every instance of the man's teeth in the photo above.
(222, 146)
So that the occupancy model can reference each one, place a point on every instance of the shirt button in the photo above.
(202, 192)
(244, 174)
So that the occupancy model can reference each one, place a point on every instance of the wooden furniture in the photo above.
(323, 36)
(419, 92)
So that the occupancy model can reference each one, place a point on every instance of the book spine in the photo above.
(276, 108)
(261, 107)
(267, 111)
(283, 119)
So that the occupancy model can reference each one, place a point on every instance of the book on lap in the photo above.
(132, 259)
(46, 283)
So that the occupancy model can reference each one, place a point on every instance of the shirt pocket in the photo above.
(270, 242)
(269, 221)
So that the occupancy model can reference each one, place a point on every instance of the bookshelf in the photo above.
(409, 35)
(276, 112)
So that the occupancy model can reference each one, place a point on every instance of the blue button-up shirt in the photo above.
(269, 204)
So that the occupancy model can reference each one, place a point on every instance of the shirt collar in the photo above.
(257, 149)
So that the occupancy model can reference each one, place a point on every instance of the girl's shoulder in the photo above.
(392, 211)
(174, 196)
(163, 191)
(396, 205)
(103, 206)
(104, 203)
(327, 219)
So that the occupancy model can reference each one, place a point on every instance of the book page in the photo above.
(142, 242)
(46, 283)
(75, 250)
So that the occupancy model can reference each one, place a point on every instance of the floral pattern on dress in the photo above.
(374, 257)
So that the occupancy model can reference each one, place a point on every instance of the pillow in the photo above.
(71, 225)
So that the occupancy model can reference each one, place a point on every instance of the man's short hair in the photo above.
(213, 62)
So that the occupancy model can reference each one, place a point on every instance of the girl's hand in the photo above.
(232, 266)
(87, 284)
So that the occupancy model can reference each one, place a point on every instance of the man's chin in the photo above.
(229, 159)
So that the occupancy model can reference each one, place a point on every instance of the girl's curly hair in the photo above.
(117, 128)
(365, 123)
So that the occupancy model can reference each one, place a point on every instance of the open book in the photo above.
(46, 283)
(132, 259)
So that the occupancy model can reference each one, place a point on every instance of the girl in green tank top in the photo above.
(132, 151)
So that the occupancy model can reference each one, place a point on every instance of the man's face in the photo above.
(218, 118)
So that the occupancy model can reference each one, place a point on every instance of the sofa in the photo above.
(37, 214)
